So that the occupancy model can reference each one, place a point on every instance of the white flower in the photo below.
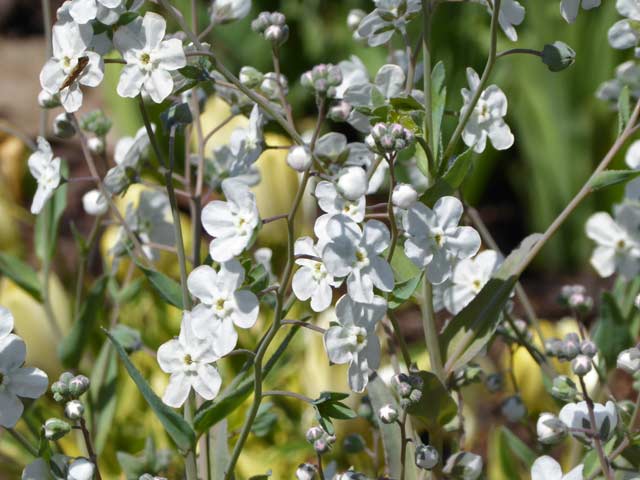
(569, 8)
(511, 15)
(576, 415)
(45, 168)
(225, 11)
(306, 471)
(546, 468)
(71, 65)
(247, 143)
(83, 11)
(150, 59)
(622, 34)
(79, 469)
(94, 203)
(352, 183)
(6, 322)
(188, 359)
(356, 254)
(222, 305)
(333, 203)
(618, 243)
(299, 158)
(629, 360)
(311, 280)
(632, 157)
(130, 150)
(354, 72)
(486, 119)
(469, 277)
(434, 239)
(354, 341)
(404, 195)
(16, 381)
(231, 223)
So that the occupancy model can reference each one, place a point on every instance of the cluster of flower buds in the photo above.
(579, 353)
(576, 298)
(467, 375)
(69, 387)
(340, 112)
(306, 471)
(513, 408)
(550, 429)
(96, 122)
(272, 25)
(409, 389)
(321, 440)
(389, 138)
(267, 84)
(427, 457)
(322, 79)
(515, 332)
(629, 360)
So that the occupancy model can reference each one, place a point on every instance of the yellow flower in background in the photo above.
(32, 325)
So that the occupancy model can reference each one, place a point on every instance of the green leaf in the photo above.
(436, 407)
(611, 334)
(438, 101)
(178, 429)
(518, 447)
(213, 411)
(407, 103)
(403, 268)
(612, 177)
(380, 395)
(71, 348)
(328, 406)
(265, 420)
(459, 167)
(21, 274)
(471, 329)
(191, 72)
(403, 291)
(624, 108)
(104, 378)
(168, 288)
(48, 222)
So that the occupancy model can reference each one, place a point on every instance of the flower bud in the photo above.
(553, 347)
(299, 158)
(494, 382)
(78, 386)
(96, 145)
(54, 429)
(581, 365)
(588, 348)
(389, 138)
(48, 100)
(94, 203)
(354, 18)
(564, 389)
(557, 56)
(250, 77)
(322, 445)
(269, 85)
(306, 471)
(272, 26)
(550, 429)
(74, 410)
(427, 457)
(513, 408)
(314, 433)
(352, 183)
(629, 360)
(62, 126)
(464, 465)
(404, 195)
(96, 122)
(570, 346)
(387, 414)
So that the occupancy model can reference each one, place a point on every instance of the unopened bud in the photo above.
(54, 429)
(352, 183)
(250, 77)
(427, 457)
(63, 127)
(588, 348)
(404, 195)
(340, 112)
(48, 100)
(354, 18)
(387, 414)
(581, 365)
(78, 386)
(564, 389)
(299, 158)
(629, 360)
(314, 433)
(557, 56)
(96, 145)
(550, 429)
(74, 410)
(571, 346)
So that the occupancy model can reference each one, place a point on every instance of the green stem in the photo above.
(597, 442)
(426, 59)
(513, 51)
(483, 81)
(430, 330)
(22, 441)
(89, 444)
(390, 212)
(404, 349)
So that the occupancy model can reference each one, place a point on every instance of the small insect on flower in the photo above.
(75, 73)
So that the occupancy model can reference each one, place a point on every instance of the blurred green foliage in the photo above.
(561, 129)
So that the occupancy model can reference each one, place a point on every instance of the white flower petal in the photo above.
(177, 390)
